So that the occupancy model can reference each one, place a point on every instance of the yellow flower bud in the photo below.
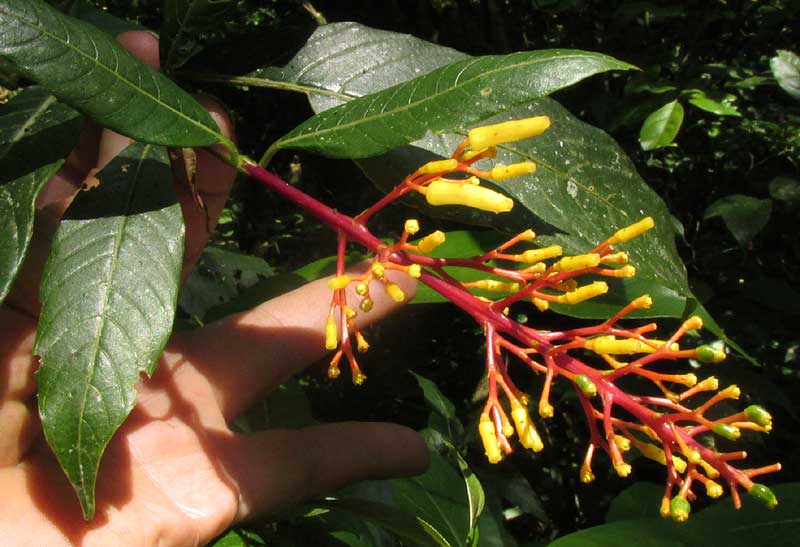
(693, 323)
(586, 476)
(489, 438)
(527, 235)
(395, 292)
(541, 305)
(625, 271)
(494, 285)
(442, 192)
(366, 304)
(378, 270)
(362, 289)
(623, 469)
(349, 312)
(632, 231)
(331, 334)
(623, 443)
(415, 271)
(537, 255)
(643, 302)
(411, 226)
(514, 130)
(438, 166)
(467, 155)
(503, 172)
(338, 282)
(359, 378)
(584, 293)
(609, 345)
(361, 343)
(428, 243)
(577, 262)
(713, 489)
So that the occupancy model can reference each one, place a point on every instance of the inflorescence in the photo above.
(670, 425)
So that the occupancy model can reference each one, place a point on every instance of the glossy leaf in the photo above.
(475, 494)
(744, 216)
(36, 135)
(661, 127)
(185, 26)
(108, 292)
(452, 97)
(706, 103)
(87, 69)
(87, 11)
(786, 70)
(584, 189)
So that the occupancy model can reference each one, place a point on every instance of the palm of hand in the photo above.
(175, 474)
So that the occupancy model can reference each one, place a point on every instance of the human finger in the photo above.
(277, 469)
(247, 354)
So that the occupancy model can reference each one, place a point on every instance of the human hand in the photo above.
(175, 474)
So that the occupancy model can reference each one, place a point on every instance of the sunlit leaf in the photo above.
(448, 98)
(108, 292)
(87, 69)
(661, 127)
(786, 70)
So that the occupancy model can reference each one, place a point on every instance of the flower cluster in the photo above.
(670, 422)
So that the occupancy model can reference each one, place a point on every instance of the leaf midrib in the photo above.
(431, 97)
(117, 75)
(49, 100)
(103, 312)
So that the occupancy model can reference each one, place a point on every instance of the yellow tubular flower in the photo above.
(643, 302)
(428, 243)
(440, 166)
(494, 285)
(514, 130)
(331, 334)
(541, 305)
(527, 235)
(584, 293)
(467, 155)
(577, 262)
(528, 436)
(625, 271)
(695, 322)
(442, 192)
(489, 438)
(609, 345)
(632, 231)
(503, 172)
(361, 342)
(532, 256)
(338, 282)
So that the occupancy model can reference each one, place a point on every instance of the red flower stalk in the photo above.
(668, 427)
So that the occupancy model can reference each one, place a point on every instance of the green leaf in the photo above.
(440, 404)
(720, 524)
(475, 495)
(452, 97)
(88, 70)
(638, 501)
(744, 216)
(661, 127)
(785, 68)
(108, 292)
(401, 523)
(36, 134)
(238, 537)
(85, 10)
(584, 189)
(439, 497)
(186, 27)
(720, 108)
